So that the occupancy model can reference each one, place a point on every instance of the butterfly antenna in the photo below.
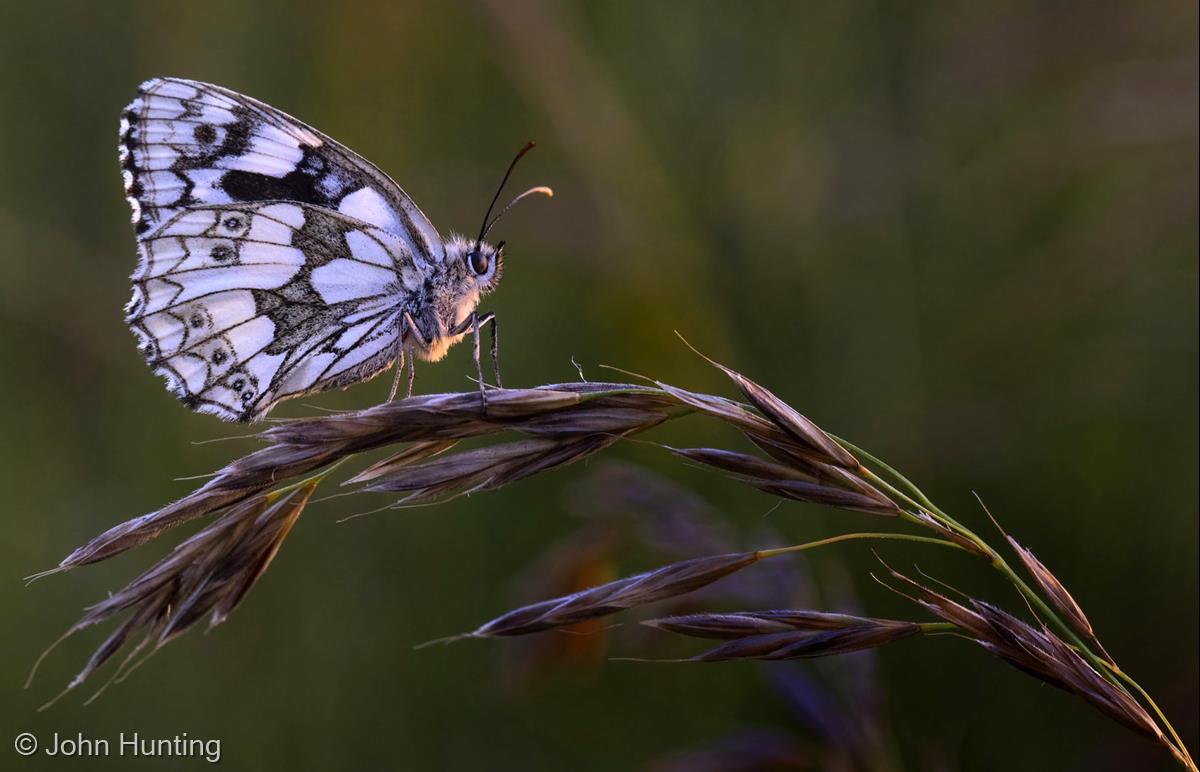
(487, 221)
(540, 189)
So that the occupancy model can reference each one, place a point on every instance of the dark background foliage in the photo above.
(962, 235)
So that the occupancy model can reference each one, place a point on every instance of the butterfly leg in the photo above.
(478, 365)
(409, 329)
(490, 319)
(495, 348)
(399, 372)
(475, 323)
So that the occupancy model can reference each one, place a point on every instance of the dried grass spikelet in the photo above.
(408, 454)
(241, 480)
(800, 482)
(205, 576)
(741, 624)
(482, 469)
(666, 582)
(783, 635)
(1036, 652)
(1054, 591)
(787, 418)
(949, 534)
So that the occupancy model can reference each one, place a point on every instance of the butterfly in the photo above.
(275, 262)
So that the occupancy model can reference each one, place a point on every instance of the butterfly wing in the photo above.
(239, 306)
(184, 143)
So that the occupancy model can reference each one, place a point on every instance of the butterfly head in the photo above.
(477, 262)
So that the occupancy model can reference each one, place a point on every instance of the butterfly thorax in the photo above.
(450, 293)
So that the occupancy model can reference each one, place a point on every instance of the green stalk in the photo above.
(907, 483)
(770, 553)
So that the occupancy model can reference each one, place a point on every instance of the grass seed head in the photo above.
(205, 576)
(666, 582)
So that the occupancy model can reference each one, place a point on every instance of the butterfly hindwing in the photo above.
(184, 143)
(240, 305)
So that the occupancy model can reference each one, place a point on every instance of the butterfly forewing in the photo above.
(184, 143)
(241, 305)
(273, 261)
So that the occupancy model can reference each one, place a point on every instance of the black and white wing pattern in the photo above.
(184, 143)
(239, 306)
(273, 261)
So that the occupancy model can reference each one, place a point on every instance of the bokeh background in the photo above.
(963, 235)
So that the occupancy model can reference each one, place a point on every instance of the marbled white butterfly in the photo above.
(275, 262)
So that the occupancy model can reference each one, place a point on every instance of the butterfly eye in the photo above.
(480, 262)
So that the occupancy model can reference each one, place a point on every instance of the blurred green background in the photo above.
(962, 235)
